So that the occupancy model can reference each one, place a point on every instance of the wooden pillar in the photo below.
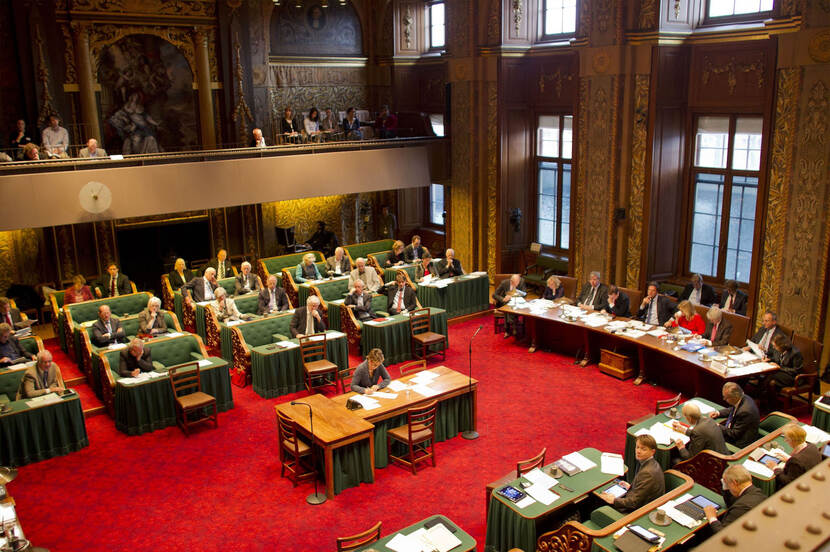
(200, 38)
(86, 83)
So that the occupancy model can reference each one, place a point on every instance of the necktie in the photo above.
(714, 333)
(9, 319)
(765, 340)
(731, 415)
(400, 300)
(309, 324)
(112, 287)
(109, 328)
(593, 296)
(273, 303)
(45, 377)
(728, 304)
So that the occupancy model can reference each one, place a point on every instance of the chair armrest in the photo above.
(158, 366)
(280, 337)
(383, 314)
(196, 356)
(804, 379)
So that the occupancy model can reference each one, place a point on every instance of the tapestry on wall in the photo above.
(313, 30)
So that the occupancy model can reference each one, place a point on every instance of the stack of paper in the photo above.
(616, 326)
(437, 537)
(204, 362)
(595, 320)
(677, 515)
(49, 398)
(705, 409)
(117, 346)
(397, 385)
(424, 377)
(657, 332)
(634, 334)
(540, 486)
(525, 502)
(425, 390)
(287, 344)
(426, 279)
(637, 325)
(759, 366)
(384, 395)
(232, 323)
(737, 371)
(578, 460)
(368, 403)
(664, 434)
(173, 334)
(478, 273)
(744, 357)
(815, 435)
(612, 463)
(758, 468)
(573, 311)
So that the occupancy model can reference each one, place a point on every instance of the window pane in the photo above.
(548, 136)
(721, 8)
(747, 150)
(436, 25)
(547, 178)
(548, 200)
(567, 136)
(564, 237)
(564, 226)
(546, 232)
(741, 227)
(436, 120)
(560, 17)
(436, 204)
(706, 222)
(711, 142)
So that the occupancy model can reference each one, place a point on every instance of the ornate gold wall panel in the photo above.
(193, 8)
(462, 201)
(636, 196)
(19, 255)
(336, 211)
(492, 176)
(580, 188)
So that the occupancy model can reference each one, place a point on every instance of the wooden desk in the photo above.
(334, 428)
(468, 543)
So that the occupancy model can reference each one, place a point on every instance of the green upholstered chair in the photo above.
(77, 313)
(263, 331)
(10, 380)
(245, 304)
(352, 327)
(274, 265)
(356, 250)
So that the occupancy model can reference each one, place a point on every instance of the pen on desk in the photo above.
(564, 488)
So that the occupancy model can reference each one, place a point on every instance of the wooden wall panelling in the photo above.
(555, 81)
(517, 183)
(738, 76)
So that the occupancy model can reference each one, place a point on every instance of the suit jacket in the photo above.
(409, 302)
(144, 322)
(15, 345)
(228, 312)
(738, 303)
(648, 484)
(196, 288)
(722, 335)
(736, 507)
(552, 295)
(705, 435)
(17, 320)
(264, 300)
(798, 464)
(665, 310)
(361, 379)
(500, 295)
(32, 384)
(176, 281)
(298, 322)
(409, 252)
(100, 153)
(394, 259)
(743, 428)
(759, 336)
(288, 126)
(122, 284)
(227, 273)
(420, 272)
(448, 270)
(622, 306)
(69, 295)
(707, 294)
(252, 281)
(600, 300)
(127, 362)
(364, 312)
(99, 329)
(345, 265)
(370, 278)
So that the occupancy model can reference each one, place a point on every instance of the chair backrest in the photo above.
(274, 265)
(524, 466)
(419, 321)
(702, 310)
(31, 344)
(10, 381)
(569, 286)
(740, 328)
(787, 331)
(810, 350)
(229, 284)
(287, 431)
(132, 303)
(261, 331)
(184, 379)
(356, 250)
(667, 404)
(313, 347)
(421, 419)
(635, 297)
(360, 540)
(413, 366)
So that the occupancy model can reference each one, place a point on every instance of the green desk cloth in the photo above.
(821, 417)
(178, 306)
(452, 417)
(148, 406)
(663, 454)
(674, 532)
(467, 542)
(352, 465)
(463, 295)
(511, 527)
(246, 304)
(333, 321)
(62, 331)
(389, 274)
(393, 338)
(335, 288)
(277, 372)
(31, 434)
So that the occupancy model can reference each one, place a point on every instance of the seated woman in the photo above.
(312, 125)
(553, 289)
(396, 258)
(366, 375)
(686, 317)
(351, 125)
(151, 320)
(180, 275)
(425, 268)
(805, 456)
(307, 270)
(78, 292)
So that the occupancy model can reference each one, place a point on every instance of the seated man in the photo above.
(258, 141)
(247, 281)
(449, 266)
(703, 433)
(414, 252)
(742, 416)
(506, 290)
(594, 294)
(134, 359)
(718, 330)
(733, 300)
(655, 309)
(366, 375)
(271, 299)
(151, 320)
(107, 329)
(396, 257)
(739, 494)
(55, 139)
(698, 293)
(790, 363)
(617, 303)
(10, 350)
(368, 275)
(201, 288)
(11, 316)
(307, 319)
(648, 484)
(307, 270)
(338, 264)
(362, 301)
(92, 151)
(400, 298)
(224, 306)
(114, 284)
(386, 124)
(804, 456)
(42, 378)
(223, 267)
(766, 333)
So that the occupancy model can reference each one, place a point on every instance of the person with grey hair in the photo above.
(718, 329)
(338, 264)
(10, 350)
(742, 416)
(92, 151)
(703, 433)
(449, 266)
(767, 332)
(201, 288)
(134, 359)
(272, 299)
(307, 319)
(307, 269)
(368, 275)
(739, 494)
(247, 281)
(224, 306)
(107, 329)
(361, 301)
(180, 275)
(594, 294)
(42, 378)
(699, 293)
(151, 320)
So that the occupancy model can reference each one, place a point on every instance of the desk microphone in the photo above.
(316, 498)
(471, 433)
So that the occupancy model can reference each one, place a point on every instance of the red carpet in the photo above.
(221, 489)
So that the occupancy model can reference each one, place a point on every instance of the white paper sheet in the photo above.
(594, 320)
(578, 460)
(612, 464)
(542, 494)
(634, 334)
(384, 395)
(821, 406)
(758, 468)
(402, 543)
(424, 390)
(232, 323)
(173, 334)
(397, 385)
(204, 362)
(117, 346)
(744, 356)
(538, 477)
(287, 344)
(366, 402)
(677, 515)
(815, 435)
(334, 334)
(657, 332)
(705, 409)
(425, 377)
(525, 502)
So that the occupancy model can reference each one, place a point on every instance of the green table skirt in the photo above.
(62, 331)
(352, 465)
(275, 373)
(452, 418)
(393, 337)
(150, 406)
(506, 530)
(178, 306)
(226, 340)
(333, 321)
(821, 418)
(31, 434)
(459, 298)
(200, 322)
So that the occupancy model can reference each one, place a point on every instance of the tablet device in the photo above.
(702, 501)
(766, 457)
(616, 490)
(644, 533)
(511, 493)
(826, 451)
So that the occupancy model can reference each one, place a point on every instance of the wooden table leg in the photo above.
(329, 467)
(587, 344)
(372, 453)
(641, 356)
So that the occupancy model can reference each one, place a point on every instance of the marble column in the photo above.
(206, 120)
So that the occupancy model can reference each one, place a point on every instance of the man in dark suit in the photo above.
(113, 284)
(699, 293)
(223, 267)
(134, 359)
(338, 264)
(740, 496)
(718, 330)
(703, 433)
(414, 252)
(649, 482)
(107, 329)
(733, 299)
(45, 377)
(11, 315)
(742, 416)
(400, 298)
(361, 300)
(594, 293)
(449, 266)
(10, 350)
(617, 303)
(767, 332)
(804, 457)
(246, 281)
(201, 288)
(307, 319)
(655, 309)
(272, 299)
(505, 291)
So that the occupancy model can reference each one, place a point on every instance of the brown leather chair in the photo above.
(740, 328)
(413, 366)
(293, 451)
(315, 363)
(358, 541)
(807, 381)
(186, 384)
(635, 297)
(569, 284)
(422, 337)
(418, 435)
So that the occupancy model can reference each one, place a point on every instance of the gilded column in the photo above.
(86, 83)
(200, 38)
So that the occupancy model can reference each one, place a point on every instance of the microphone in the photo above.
(477, 330)
(471, 433)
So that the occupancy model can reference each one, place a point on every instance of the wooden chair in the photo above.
(525, 466)
(661, 406)
(358, 541)
(413, 366)
(293, 451)
(635, 297)
(423, 337)
(186, 383)
(315, 364)
(522, 467)
(569, 285)
(789, 332)
(418, 435)
(807, 380)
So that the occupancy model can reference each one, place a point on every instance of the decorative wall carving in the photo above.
(19, 255)
(314, 31)
(603, 10)
(205, 8)
(461, 199)
(557, 78)
(47, 109)
(105, 240)
(516, 12)
(648, 15)
(70, 72)
(241, 113)
(581, 191)
(218, 229)
(492, 176)
(819, 47)
(731, 68)
(636, 196)
(494, 22)
(407, 21)
(303, 214)
(303, 86)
